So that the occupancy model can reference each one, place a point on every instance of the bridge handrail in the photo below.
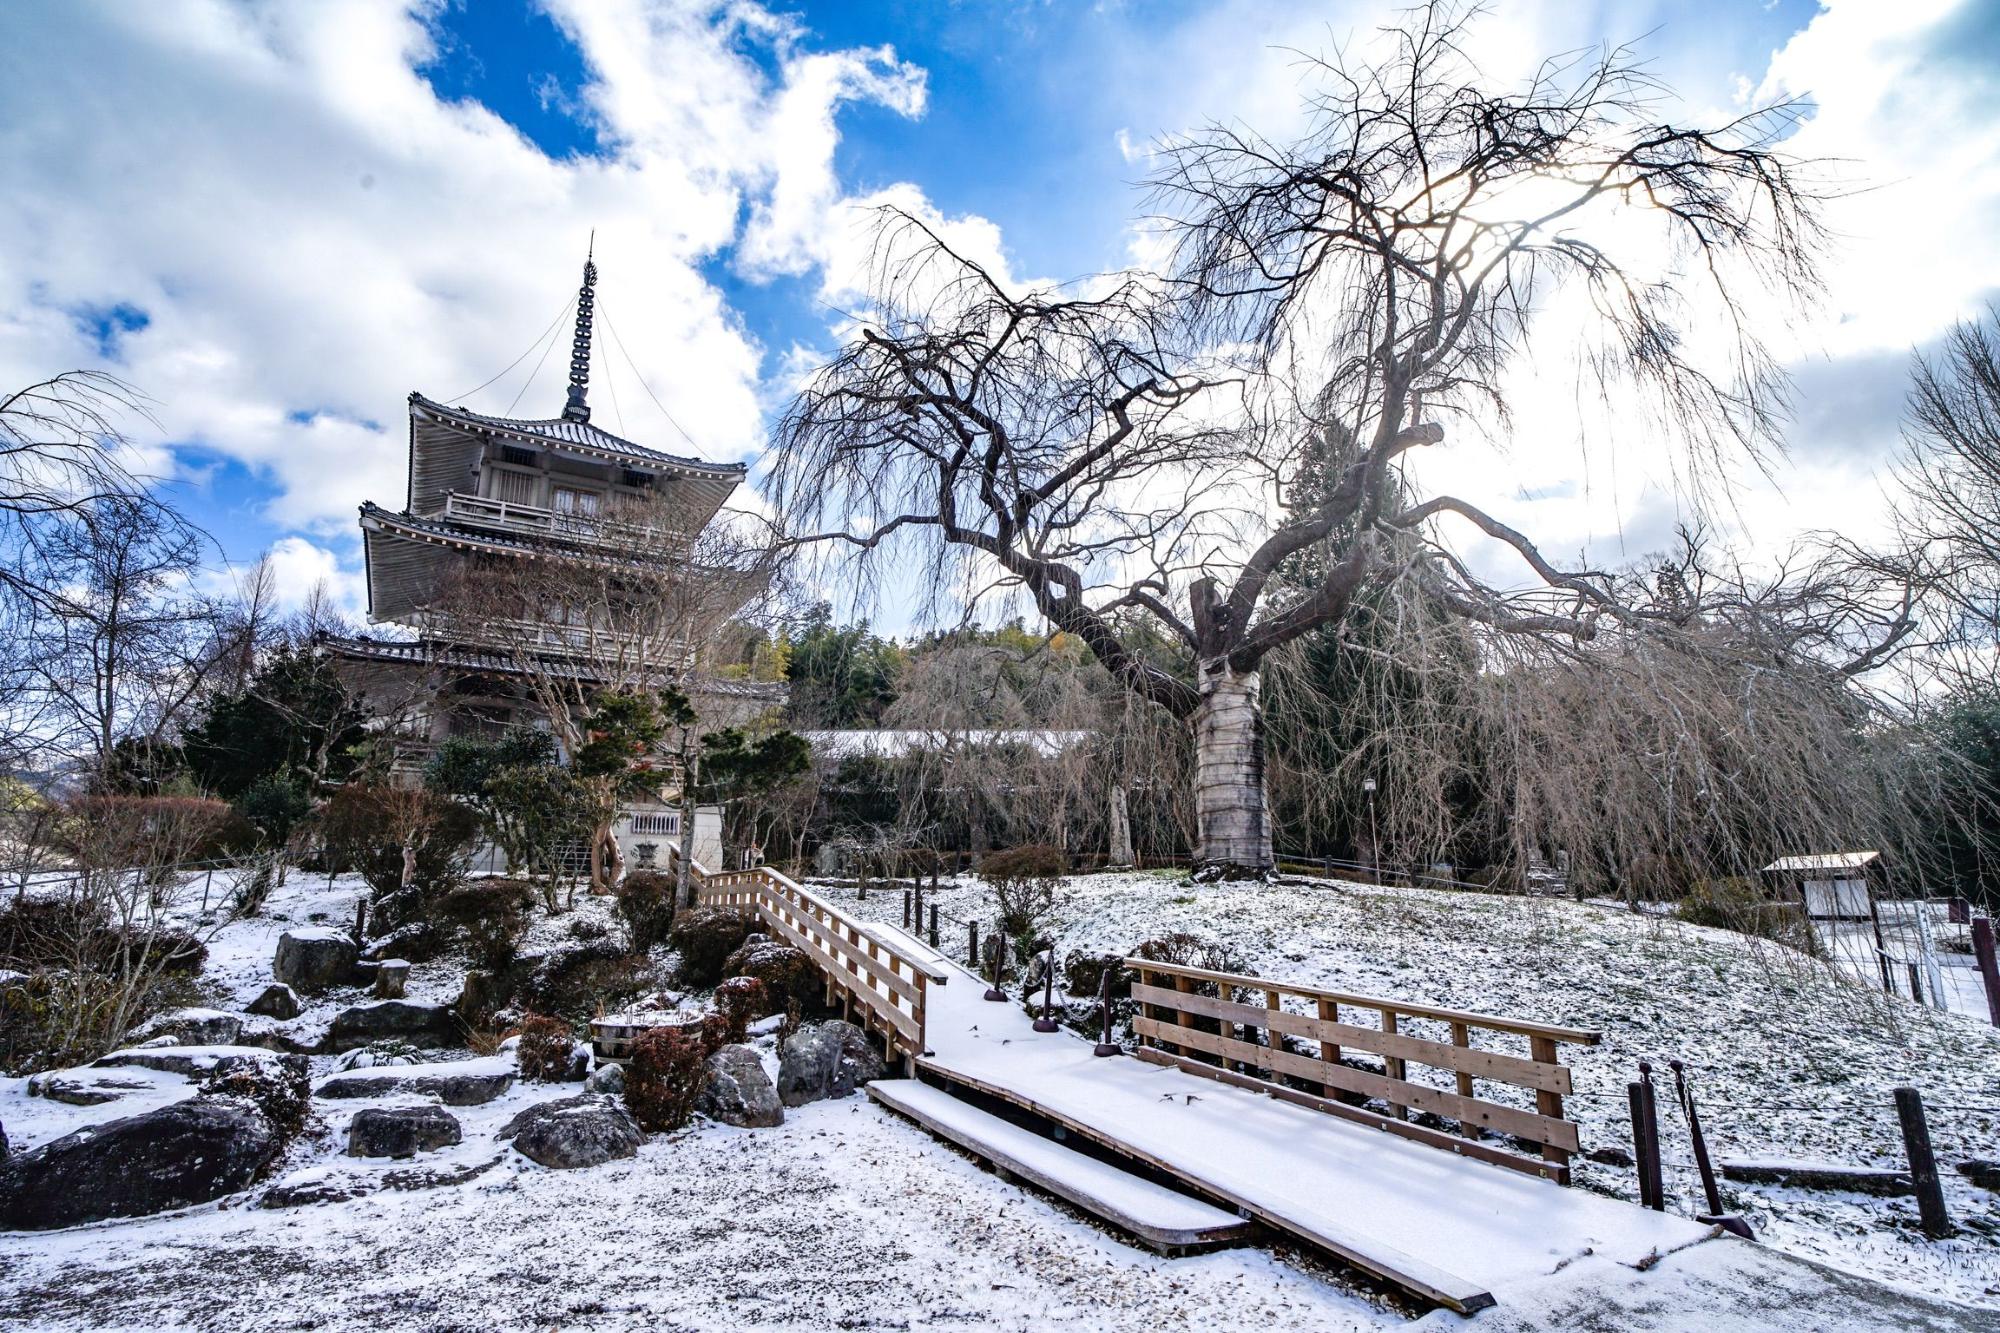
(1224, 1037)
(888, 985)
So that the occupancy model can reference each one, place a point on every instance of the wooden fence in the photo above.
(1200, 1021)
(876, 981)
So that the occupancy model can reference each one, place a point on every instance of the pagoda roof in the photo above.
(429, 652)
(441, 532)
(579, 436)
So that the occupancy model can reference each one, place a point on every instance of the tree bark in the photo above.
(1231, 804)
(1121, 825)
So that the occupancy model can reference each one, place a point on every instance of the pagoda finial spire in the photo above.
(576, 409)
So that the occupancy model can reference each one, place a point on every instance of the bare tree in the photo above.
(1131, 446)
(123, 643)
(1950, 475)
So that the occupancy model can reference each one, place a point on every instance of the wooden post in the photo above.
(1923, 1164)
(1916, 983)
(972, 947)
(1394, 1065)
(1989, 969)
(1645, 1145)
(1181, 1019)
(1550, 1104)
(934, 932)
(1272, 1041)
(1329, 1011)
(1461, 1037)
(906, 909)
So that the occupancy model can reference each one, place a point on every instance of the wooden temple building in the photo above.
(492, 498)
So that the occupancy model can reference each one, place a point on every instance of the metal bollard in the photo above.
(1106, 1046)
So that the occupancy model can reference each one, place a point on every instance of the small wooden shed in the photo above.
(1836, 888)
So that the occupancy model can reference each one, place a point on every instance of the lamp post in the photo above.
(1374, 846)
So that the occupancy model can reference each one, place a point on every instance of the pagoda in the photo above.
(488, 492)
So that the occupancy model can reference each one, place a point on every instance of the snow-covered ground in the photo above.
(848, 1217)
(1789, 1059)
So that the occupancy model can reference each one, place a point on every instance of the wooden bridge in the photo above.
(1240, 1110)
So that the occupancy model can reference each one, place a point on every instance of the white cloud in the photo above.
(312, 233)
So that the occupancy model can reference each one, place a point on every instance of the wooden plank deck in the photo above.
(1452, 1230)
(1161, 1217)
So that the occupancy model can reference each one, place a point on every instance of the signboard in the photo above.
(1837, 899)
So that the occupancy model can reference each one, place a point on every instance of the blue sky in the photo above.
(277, 219)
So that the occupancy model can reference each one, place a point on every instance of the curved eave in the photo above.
(407, 559)
(582, 439)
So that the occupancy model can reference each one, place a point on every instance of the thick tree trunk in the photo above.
(1121, 825)
(1231, 809)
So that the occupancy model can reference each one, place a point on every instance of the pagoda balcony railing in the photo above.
(534, 521)
(584, 642)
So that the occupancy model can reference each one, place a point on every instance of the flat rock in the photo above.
(828, 1059)
(400, 1131)
(427, 1025)
(85, 1087)
(186, 1061)
(738, 1091)
(276, 1001)
(455, 1083)
(571, 1132)
(314, 959)
(190, 1027)
(187, 1153)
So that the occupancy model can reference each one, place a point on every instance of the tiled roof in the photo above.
(431, 653)
(581, 434)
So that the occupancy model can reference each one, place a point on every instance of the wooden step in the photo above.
(1163, 1218)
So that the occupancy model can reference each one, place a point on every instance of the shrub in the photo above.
(705, 937)
(664, 1071)
(586, 979)
(1741, 904)
(789, 976)
(646, 905)
(546, 1044)
(365, 828)
(149, 830)
(739, 1002)
(1025, 882)
(281, 1088)
(490, 915)
(1083, 973)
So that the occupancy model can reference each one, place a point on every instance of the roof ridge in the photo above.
(563, 430)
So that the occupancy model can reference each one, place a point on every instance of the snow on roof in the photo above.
(895, 744)
(1824, 861)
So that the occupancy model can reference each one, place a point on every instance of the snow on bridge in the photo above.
(1384, 1196)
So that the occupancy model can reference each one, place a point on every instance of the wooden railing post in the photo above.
(1461, 1037)
(1394, 1064)
(1550, 1104)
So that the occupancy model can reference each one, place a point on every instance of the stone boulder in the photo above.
(187, 1153)
(187, 1061)
(277, 1001)
(85, 1087)
(828, 1059)
(455, 1083)
(190, 1027)
(313, 959)
(738, 1091)
(607, 1078)
(571, 1132)
(400, 1131)
(427, 1025)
